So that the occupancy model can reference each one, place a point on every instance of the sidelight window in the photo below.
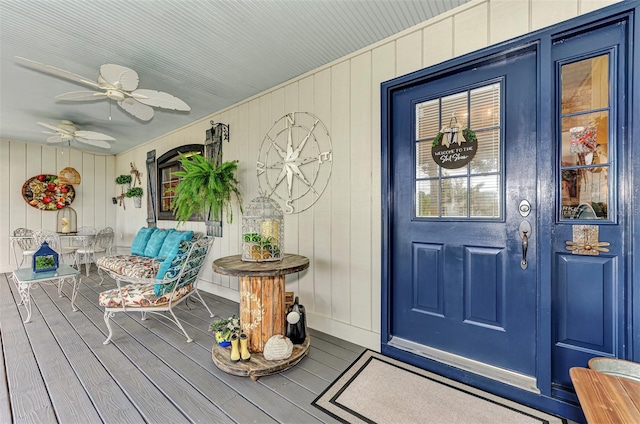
(584, 140)
(472, 190)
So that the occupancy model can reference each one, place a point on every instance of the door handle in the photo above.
(525, 232)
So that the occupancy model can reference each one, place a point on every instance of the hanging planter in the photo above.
(205, 190)
(136, 194)
(454, 146)
(124, 180)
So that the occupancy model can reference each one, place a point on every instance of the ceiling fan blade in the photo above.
(137, 109)
(92, 135)
(97, 143)
(120, 77)
(159, 99)
(44, 124)
(55, 139)
(56, 71)
(82, 96)
(47, 132)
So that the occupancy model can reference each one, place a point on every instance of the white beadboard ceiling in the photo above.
(211, 54)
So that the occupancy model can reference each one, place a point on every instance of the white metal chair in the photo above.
(53, 240)
(26, 244)
(101, 242)
(82, 241)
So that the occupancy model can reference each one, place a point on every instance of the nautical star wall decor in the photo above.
(295, 160)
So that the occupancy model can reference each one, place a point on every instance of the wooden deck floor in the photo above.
(56, 369)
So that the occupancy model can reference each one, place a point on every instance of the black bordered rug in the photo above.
(379, 389)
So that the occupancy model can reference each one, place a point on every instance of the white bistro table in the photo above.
(25, 278)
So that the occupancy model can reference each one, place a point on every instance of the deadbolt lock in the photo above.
(524, 208)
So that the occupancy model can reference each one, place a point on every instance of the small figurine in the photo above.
(66, 227)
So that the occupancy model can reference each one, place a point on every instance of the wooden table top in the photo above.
(235, 266)
(605, 398)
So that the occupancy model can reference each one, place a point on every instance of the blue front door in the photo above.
(462, 290)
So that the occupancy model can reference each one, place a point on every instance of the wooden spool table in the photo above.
(262, 313)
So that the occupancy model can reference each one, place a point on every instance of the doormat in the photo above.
(379, 389)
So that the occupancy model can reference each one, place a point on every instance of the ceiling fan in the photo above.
(117, 83)
(67, 131)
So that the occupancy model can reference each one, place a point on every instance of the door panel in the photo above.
(588, 289)
(457, 281)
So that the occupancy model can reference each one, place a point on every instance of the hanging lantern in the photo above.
(262, 231)
(69, 175)
(45, 259)
(66, 221)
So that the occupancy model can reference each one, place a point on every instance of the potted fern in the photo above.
(205, 190)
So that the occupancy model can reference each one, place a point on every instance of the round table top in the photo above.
(235, 266)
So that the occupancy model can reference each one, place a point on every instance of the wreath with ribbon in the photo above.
(452, 132)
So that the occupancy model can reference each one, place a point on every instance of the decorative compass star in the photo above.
(298, 144)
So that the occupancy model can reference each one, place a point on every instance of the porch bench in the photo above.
(606, 398)
(158, 295)
(149, 249)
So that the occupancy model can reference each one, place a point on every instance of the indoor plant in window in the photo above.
(205, 190)
(136, 193)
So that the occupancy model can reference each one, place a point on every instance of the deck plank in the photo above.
(108, 398)
(29, 398)
(170, 385)
(264, 399)
(66, 392)
(149, 365)
(159, 336)
(143, 394)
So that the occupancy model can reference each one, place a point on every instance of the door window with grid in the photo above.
(473, 191)
(584, 116)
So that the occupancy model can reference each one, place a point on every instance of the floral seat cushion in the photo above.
(133, 266)
(139, 295)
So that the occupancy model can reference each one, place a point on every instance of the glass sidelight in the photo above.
(585, 148)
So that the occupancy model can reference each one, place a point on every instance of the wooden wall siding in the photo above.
(20, 161)
(341, 232)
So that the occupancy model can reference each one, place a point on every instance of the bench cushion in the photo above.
(141, 239)
(139, 295)
(129, 265)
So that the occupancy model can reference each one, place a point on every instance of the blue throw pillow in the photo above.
(172, 262)
(172, 240)
(170, 249)
(155, 243)
(141, 239)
